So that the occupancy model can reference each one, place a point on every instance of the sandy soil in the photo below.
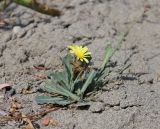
(34, 39)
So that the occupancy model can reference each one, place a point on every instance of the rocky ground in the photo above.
(32, 39)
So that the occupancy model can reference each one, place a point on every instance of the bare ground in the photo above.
(35, 39)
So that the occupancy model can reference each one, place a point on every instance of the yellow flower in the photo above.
(80, 52)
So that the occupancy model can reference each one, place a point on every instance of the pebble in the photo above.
(45, 121)
(27, 22)
(97, 107)
(19, 32)
(116, 108)
(17, 29)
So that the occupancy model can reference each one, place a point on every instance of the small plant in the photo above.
(77, 81)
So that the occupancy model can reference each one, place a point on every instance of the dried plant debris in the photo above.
(33, 4)
(14, 114)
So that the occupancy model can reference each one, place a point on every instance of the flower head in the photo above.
(81, 53)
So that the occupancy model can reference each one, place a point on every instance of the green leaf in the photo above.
(67, 65)
(51, 100)
(88, 82)
(68, 70)
(55, 88)
(108, 55)
(101, 74)
(60, 78)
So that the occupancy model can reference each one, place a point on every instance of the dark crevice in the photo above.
(130, 106)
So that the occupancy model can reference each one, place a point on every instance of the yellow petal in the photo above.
(71, 51)
(87, 53)
(81, 53)
(81, 60)
(85, 49)
(80, 47)
(72, 46)
(77, 58)
(88, 56)
(86, 60)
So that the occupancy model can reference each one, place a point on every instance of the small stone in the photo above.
(97, 107)
(45, 121)
(27, 22)
(19, 32)
(148, 79)
(116, 108)
(107, 107)
(17, 29)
